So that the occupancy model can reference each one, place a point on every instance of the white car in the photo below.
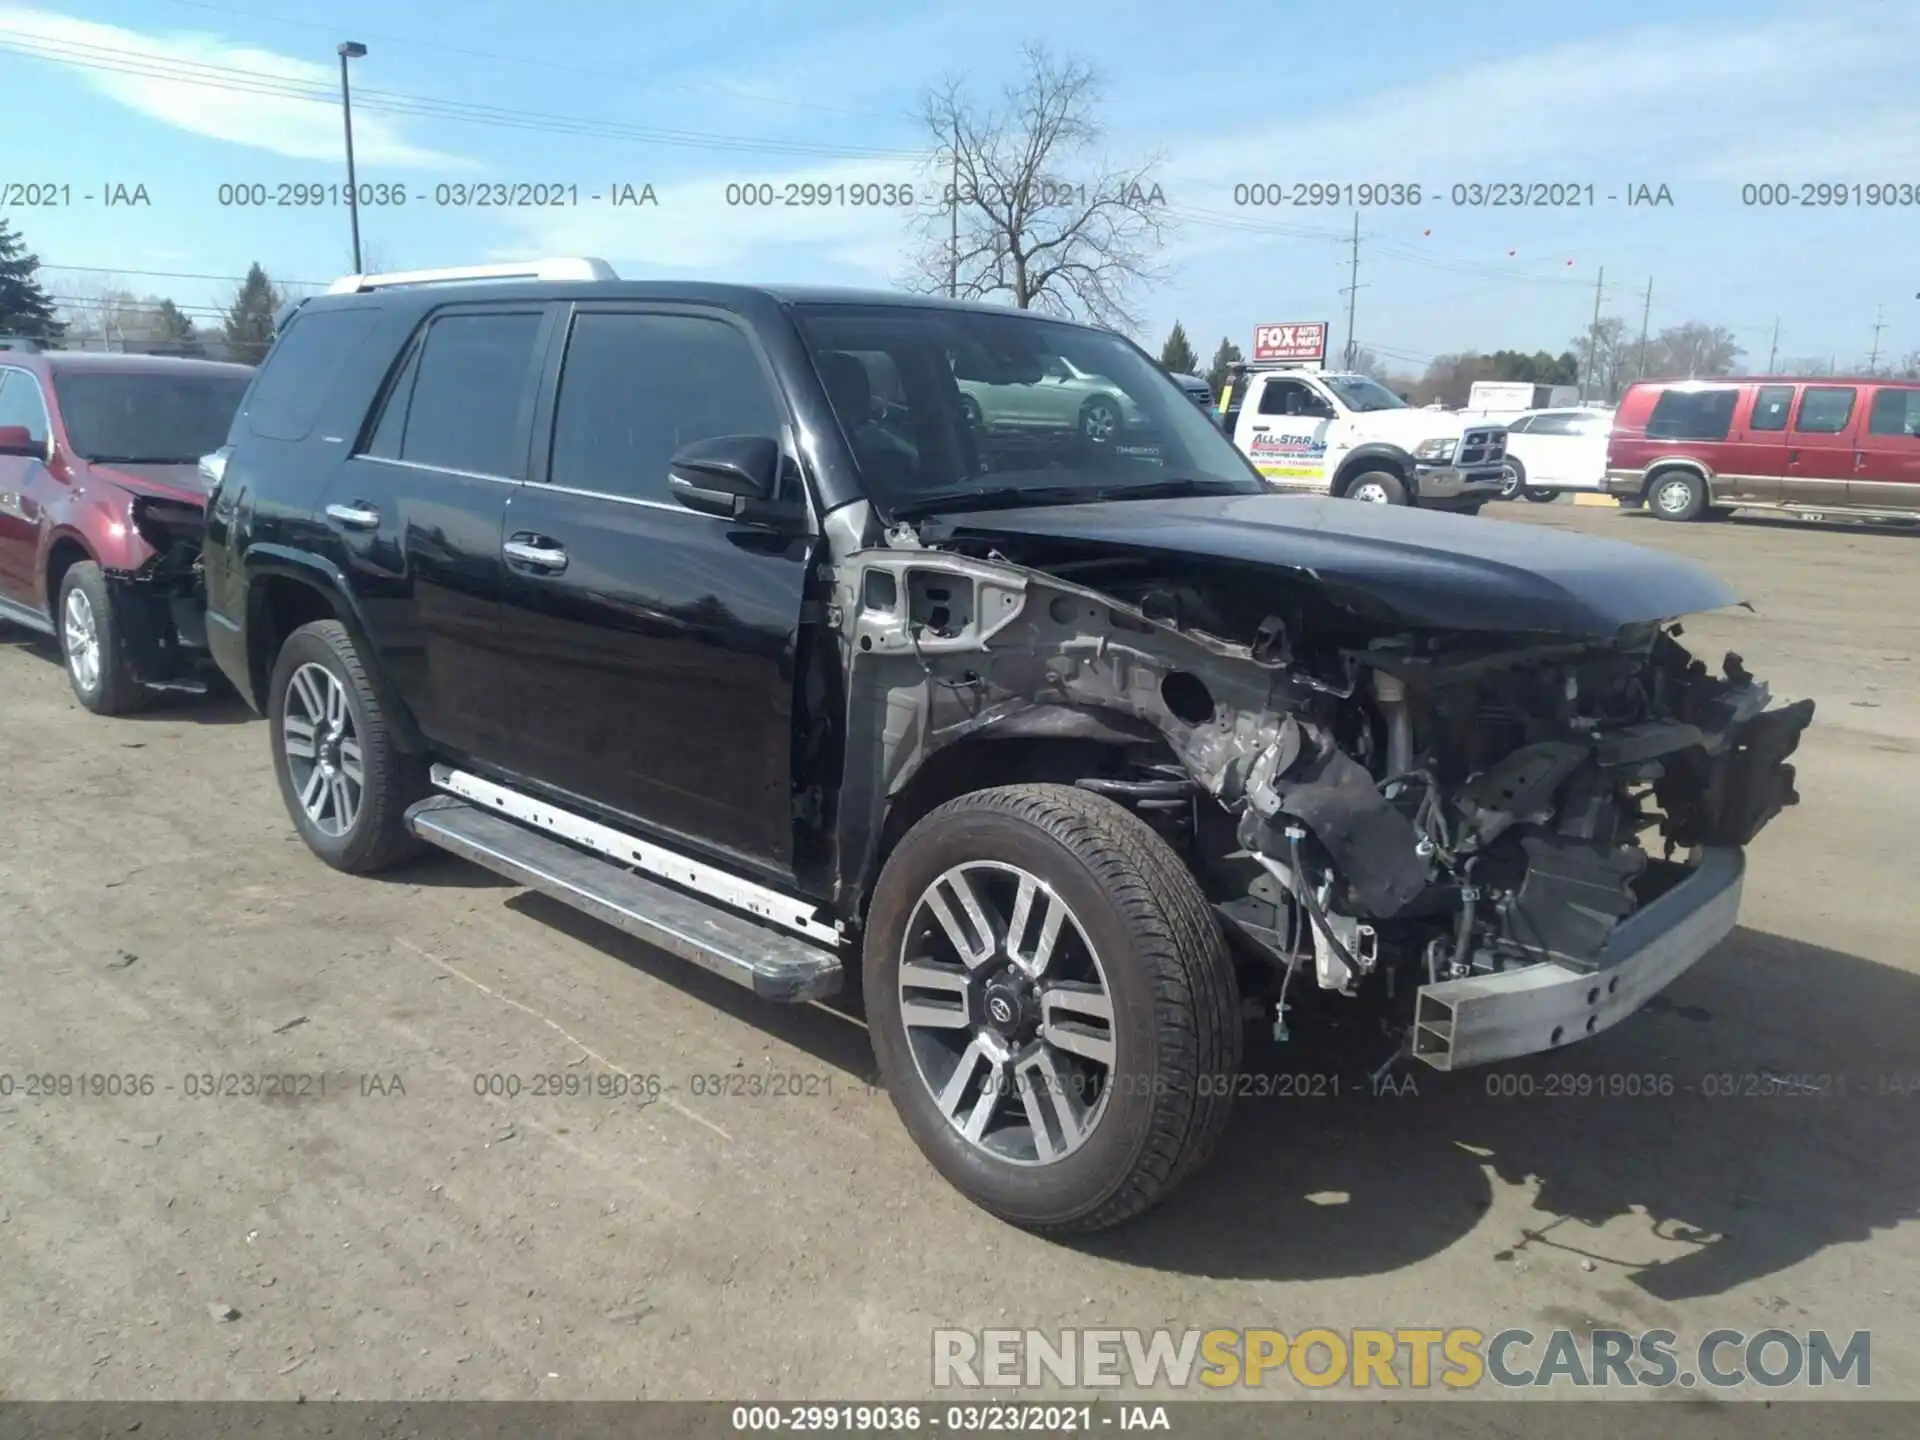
(1061, 397)
(1553, 450)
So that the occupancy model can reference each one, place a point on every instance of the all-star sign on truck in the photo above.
(1332, 433)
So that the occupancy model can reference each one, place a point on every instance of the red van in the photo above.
(1689, 449)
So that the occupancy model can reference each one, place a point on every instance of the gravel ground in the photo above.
(391, 1231)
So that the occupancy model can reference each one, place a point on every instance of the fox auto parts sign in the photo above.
(1306, 340)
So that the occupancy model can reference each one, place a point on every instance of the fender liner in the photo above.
(321, 575)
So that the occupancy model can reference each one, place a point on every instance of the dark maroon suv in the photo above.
(102, 512)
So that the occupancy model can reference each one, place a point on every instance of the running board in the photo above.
(775, 966)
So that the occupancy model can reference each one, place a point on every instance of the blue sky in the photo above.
(1700, 97)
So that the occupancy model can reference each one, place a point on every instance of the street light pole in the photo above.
(351, 50)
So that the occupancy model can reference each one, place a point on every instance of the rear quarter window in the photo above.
(300, 371)
(1692, 415)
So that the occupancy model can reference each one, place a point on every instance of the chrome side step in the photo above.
(774, 965)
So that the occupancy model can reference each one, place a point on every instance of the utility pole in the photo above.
(1640, 371)
(350, 50)
(1879, 324)
(1773, 350)
(1593, 335)
(953, 220)
(1353, 287)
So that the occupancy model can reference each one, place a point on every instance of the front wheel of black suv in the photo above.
(345, 779)
(1052, 1005)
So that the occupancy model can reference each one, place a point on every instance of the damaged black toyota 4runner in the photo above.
(718, 613)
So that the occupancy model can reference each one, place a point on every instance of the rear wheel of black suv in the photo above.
(346, 781)
(1052, 1005)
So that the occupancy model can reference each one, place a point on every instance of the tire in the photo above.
(1539, 496)
(1377, 487)
(1513, 485)
(319, 674)
(91, 645)
(1133, 923)
(1100, 419)
(1676, 495)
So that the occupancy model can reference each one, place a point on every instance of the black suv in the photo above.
(716, 612)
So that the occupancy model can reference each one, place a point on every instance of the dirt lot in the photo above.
(403, 1235)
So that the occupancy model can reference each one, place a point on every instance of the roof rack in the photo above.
(565, 267)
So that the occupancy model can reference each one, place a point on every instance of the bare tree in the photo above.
(1033, 212)
(1694, 349)
(106, 315)
(1908, 366)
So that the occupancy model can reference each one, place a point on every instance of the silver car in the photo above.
(1062, 397)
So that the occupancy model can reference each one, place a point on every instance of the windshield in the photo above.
(1357, 392)
(146, 415)
(955, 409)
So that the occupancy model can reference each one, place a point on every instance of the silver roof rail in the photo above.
(566, 267)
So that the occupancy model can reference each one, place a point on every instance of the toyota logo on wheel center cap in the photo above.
(1000, 1010)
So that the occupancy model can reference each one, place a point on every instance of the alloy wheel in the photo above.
(1674, 497)
(1007, 1013)
(80, 636)
(1099, 421)
(322, 749)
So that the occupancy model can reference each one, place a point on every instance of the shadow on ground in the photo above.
(1794, 1091)
(1759, 1112)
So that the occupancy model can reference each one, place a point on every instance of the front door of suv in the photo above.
(647, 650)
(1886, 467)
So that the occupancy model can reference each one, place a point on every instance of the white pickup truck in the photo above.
(1346, 434)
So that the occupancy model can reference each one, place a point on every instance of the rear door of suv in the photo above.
(1886, 466)
(647, 651)
(416, 511)
(1821, 443)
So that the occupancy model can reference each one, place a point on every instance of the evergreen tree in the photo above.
(1176, 356)
(177, 332)
(25, 309)
(1228, 354)
(249, 322)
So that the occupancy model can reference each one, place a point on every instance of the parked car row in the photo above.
(804, 632)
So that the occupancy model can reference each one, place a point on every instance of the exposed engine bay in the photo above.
(1372, 805)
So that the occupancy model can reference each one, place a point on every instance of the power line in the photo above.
(792, 101)
(109, 59)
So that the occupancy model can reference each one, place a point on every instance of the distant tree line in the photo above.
(111, 316)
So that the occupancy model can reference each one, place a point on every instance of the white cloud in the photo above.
(1708, 103)
(164, 91)
(695, 228)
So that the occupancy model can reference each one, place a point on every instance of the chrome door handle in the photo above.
(541, 557)
(354, 517)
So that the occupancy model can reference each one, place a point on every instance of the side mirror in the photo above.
(732, 476)
(18, 440)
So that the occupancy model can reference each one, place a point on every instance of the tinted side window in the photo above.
(636, 388)
(1561, 424)
(1290, 397)
(474, 374)
(1895, 412)
(1692, 415)
(1824, 410)
(20, 404)
(1522, 426)
(298, 373)
(1770, 406)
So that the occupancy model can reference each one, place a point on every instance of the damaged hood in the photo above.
(163, 480)
(1421, 568)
